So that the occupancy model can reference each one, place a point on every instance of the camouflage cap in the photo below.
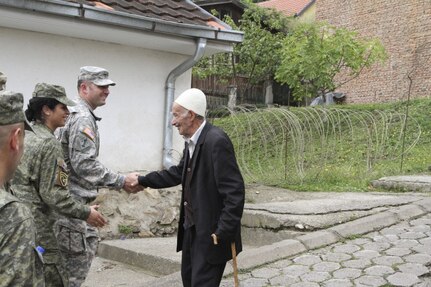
(11, 104)
(96, 75)
(44, 90)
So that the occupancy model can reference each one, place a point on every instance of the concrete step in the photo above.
(108, 273)
(156, 255)
(414, 183)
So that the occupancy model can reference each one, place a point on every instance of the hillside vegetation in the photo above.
(336, 148)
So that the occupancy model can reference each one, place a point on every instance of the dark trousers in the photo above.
(195, 270)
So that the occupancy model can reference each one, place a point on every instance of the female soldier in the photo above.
(41, 178)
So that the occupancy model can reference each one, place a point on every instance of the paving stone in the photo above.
(305, 284)
(366, 254)
(377, 246)
(244, 276)
(421, 221)
(326, 266)
(412, 235)
(347, 273)
(425, 241)
(360, 241)
(371, 235)
(413, 268)
(295, 270)
(265, 273)
(387, 260)
(307, 259)
(418, 258)
(379, 270)
(357, 263)
(421, 228)
(283, 280)
(393, 230)
(398, 251)
(346, 248)
(253, 282)
(338, 283)
(422, 249)
(322, 250)
(402, 279)
(315, 276)
(386, 238)
(336, 257)
(281, 263)
(369, 280)
(406, 243)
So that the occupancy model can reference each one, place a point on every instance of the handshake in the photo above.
(131, 185)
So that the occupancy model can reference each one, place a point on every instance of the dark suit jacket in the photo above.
(217, 190)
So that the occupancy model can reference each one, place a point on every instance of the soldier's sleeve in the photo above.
(53, 182)
(83, 155)
(19, 263)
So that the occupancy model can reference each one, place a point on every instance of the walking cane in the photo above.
(234, 263)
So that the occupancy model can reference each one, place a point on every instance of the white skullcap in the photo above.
(193, 100)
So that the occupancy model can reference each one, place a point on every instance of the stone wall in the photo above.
(149, 213)
(404, 27)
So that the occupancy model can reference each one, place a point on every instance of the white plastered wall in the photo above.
(132, 126)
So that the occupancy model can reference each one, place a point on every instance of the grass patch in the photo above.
(336, 148)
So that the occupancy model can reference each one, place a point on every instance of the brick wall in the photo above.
(404, 27)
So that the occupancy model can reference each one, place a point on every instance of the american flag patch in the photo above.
(89, 133)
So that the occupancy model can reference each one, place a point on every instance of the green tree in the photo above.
(258, 56)
(314, 54)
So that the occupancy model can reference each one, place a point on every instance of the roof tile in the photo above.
(179, 11)
(287, 7)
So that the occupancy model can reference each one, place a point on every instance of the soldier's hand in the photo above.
(95, 218)
(131, 184)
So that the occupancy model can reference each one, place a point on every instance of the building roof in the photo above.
(178, 11)
(180, 18)
(288, 7)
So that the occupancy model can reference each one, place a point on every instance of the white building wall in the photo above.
(132, 126)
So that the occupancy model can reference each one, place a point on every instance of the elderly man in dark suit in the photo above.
(212, 199)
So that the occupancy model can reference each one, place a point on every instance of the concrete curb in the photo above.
(157, 264)
(263, 255)
(407, 183)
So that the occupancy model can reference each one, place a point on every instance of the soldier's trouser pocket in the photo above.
(70, 235)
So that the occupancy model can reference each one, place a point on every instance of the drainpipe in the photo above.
(170, 92)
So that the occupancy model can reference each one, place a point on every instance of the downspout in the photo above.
(170, 92)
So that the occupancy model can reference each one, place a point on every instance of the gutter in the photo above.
(305, 8)
(170, 93)
(123, 19)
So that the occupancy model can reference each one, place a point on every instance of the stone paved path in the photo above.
(399, 255)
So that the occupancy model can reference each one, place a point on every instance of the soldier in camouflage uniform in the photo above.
(41, 179)
(80, 142)
(20, 263)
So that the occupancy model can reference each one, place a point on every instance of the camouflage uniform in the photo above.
(80, 141)
(20, 263)
(41, 181)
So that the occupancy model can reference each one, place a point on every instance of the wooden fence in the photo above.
(217, 91)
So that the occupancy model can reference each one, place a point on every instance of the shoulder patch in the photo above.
(89, 133)
(61, 175)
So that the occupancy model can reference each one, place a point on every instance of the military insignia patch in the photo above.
(89, 133)
(62, 177)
